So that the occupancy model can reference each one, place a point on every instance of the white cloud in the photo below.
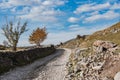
(115, 6)
(106, 16)
(96, 7)
(53, 2)
(39, 10)
(13, 9)
(94, 13)
(45, 12)
(56, 38)
(25, 10)
(75, 27)
(40, 13)
(47, 3)
(91, 7)
(73, 19)
(14, 3)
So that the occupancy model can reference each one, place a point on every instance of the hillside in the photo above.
(95, 57)
(74, 43)
(110, 34)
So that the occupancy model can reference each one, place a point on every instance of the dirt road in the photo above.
(48, 68)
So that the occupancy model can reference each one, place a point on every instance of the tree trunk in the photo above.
(14, 48)
(38, 45)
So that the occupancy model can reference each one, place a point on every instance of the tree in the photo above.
(38, 36)
(13, 31)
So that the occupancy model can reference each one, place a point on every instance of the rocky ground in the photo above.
(54, 70)
(99, 62)
(48, 68)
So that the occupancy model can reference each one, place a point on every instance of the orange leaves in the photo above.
(38, 36)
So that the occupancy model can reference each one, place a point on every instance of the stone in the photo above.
(112, 49)
(96, 67)
(100, 46)
(105, 78)
(98, 43)
(90, 67)
(81, 74)
(83, 63)
(77, 51)
(99, 49)
(117, 76)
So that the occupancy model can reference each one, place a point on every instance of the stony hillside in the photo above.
(95, 57)
(111, 34)
(100, 62)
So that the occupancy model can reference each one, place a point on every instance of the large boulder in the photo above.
(117, 76)
(100, 46)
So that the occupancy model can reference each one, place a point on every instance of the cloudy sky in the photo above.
(64, 19)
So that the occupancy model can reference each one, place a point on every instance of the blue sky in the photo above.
(64, 19)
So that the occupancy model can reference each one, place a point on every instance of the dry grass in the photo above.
(106, 34)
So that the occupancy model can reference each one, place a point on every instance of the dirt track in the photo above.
(48, 68)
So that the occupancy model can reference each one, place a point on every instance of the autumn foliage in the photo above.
(38, 36)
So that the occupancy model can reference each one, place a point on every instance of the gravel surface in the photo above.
(48, 68)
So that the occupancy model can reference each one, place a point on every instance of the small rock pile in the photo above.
(82, 67)
(100, 46)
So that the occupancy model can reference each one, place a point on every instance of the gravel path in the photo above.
(48, 68)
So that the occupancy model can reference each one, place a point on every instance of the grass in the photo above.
(106, 34)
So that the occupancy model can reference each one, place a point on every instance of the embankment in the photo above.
(10, 60)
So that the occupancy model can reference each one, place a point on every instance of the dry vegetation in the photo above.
(82, 50)
(38, 36)
(110, 34)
